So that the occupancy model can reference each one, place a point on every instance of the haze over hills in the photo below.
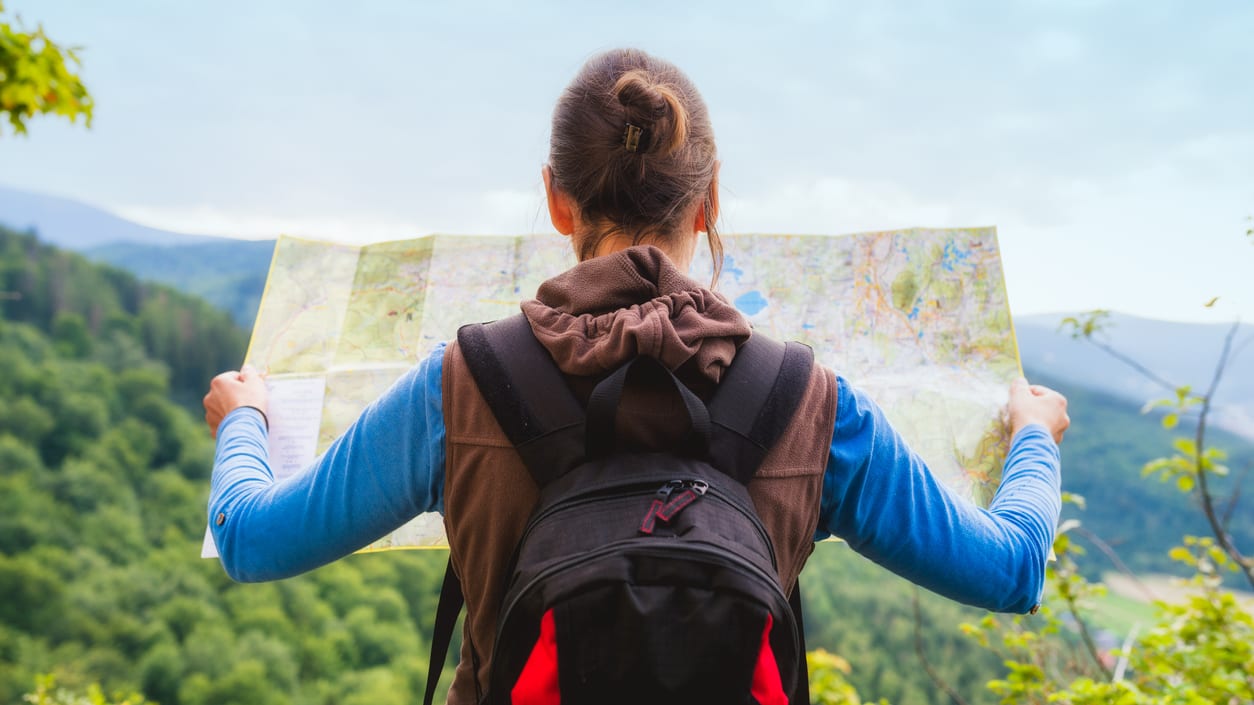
(231, 274)
(1180, 353)
(78, 226)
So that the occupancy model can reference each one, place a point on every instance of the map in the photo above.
(917, 318)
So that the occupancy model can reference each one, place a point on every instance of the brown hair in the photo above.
(633, 147)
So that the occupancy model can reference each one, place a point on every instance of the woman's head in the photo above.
(633, 150)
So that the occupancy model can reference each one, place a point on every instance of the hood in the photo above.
(610, 309)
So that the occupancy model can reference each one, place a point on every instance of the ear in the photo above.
(703, 218)
(561, 209)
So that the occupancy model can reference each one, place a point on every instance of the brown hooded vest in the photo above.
(592, 319)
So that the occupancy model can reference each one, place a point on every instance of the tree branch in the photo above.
(1085, 635)
(1203, 486)
(1109, 552)
(1235, 496)
(918, 650)
(1142, 369)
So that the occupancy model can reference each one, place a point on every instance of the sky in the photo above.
(1111, 143)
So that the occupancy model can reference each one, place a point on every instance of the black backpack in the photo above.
(642, 575)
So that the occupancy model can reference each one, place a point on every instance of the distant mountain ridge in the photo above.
(77, 226)
(229, 273)
(1181, 353)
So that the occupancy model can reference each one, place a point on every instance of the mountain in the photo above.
(226, 272)
(78, 226)
(230, 274)
(1180, 353)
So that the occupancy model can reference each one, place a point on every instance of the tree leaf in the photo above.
(1185, 483)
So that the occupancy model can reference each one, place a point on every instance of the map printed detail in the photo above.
(916, 318)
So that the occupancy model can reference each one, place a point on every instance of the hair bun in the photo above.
(656, 108)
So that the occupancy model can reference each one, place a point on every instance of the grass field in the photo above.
(1129, 603)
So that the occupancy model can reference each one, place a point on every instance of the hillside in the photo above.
(226, 272)
(110, 315)
(102, 508)
(1103, 454)
(1181, 353)
(230, 274)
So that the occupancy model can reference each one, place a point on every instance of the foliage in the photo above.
(37, 77)
(99, 313)
(828, 680)
(1103, 459)
(1199, 649)
(47, 693)
(103, 482)
(230, 274)
(858, 610)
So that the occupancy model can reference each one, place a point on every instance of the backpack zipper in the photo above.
(700, 486)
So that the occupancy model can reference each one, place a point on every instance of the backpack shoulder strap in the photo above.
(755, 401)
(752, 406)
(527, 394)
(446, 612)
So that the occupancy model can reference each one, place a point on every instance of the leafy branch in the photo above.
(1089, 325)
(38, 77)
(1204, 464)
(1193, 463)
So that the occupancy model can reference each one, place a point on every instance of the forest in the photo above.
(105, 467)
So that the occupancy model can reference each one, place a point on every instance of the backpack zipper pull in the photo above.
(666, 507)
(659, 502)
(698, 486)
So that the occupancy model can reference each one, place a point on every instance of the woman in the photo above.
(632, 179)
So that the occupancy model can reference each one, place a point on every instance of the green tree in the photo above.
(37, 77)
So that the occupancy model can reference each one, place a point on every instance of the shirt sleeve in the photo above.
(881, 498)
(387, 468)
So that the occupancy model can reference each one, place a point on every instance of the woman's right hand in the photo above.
(231, 390)
(1035, 403)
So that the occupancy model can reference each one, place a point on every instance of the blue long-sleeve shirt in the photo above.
(877, 495)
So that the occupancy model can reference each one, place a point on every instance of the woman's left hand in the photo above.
(231, 390)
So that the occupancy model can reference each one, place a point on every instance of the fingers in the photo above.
(1038, 404)
(231, 390)
(1019, 388)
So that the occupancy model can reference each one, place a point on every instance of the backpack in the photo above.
(642, 575)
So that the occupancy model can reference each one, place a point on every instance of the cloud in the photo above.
(210, 220)
(835, 205)
(498, 211)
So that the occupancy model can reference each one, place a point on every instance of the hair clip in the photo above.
(631, 137)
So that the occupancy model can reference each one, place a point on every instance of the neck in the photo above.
(678, 250)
